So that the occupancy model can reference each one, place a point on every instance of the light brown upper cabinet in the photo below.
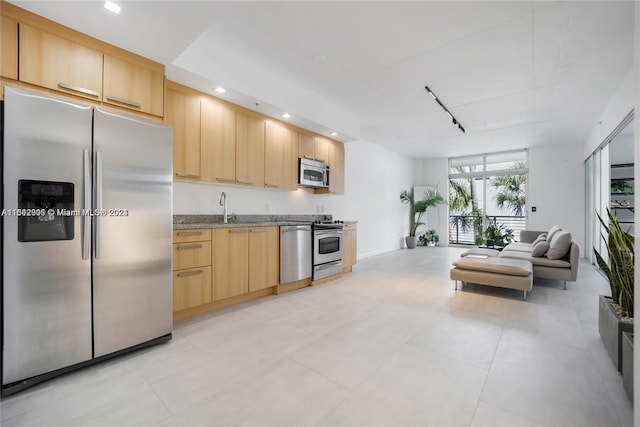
(264, 257)
(336, 167)
(134, 86)
(182, 111)
(60, 64)
(8, 48)
(313, 147)
(217, 143)
(281, 157)
(305, 145)
(321, 149)
(249, 150)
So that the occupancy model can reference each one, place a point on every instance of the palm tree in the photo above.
(430, 199)
(511, 191)
(463, 201)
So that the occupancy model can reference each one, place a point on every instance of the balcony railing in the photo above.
(461, 227)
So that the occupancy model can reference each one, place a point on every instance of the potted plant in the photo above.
(497, 235)
(431, 198)
(616, 312)
(431, 237)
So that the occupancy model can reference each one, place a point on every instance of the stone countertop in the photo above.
(238, 224)
(185, 222)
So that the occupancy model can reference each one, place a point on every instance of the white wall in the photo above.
(556, 188)
(374, 178)
(620, 104)
(429, 172)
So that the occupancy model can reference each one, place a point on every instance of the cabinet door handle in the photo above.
(241, 181)
(225, 179)
(189, 233)
(190, 273)
(183, 247)
(78, 89)
(238, 230)
(187, 175)
(270, 185)
(258, 230)
(124, 101)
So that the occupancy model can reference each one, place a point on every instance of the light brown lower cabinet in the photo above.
(230, 262)
(349, 247)
(191, 268)
(191, 288)
(211, 266)
(264, 257)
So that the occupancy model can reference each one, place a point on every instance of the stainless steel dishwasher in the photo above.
(295, 252)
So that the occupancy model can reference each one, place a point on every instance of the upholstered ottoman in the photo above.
(493, 271)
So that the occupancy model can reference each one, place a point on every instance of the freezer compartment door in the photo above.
(46, 281)
(132, 231)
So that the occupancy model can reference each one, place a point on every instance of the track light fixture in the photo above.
(446, 110)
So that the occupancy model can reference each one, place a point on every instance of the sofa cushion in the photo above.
(536, 261)
(553, 230)
(498, 265)
(540, 248)
(559, 245)
(518, 246)
(540, 238)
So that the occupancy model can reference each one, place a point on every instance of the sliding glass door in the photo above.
(609, 185)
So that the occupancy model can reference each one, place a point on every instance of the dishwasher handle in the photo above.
(289, 228)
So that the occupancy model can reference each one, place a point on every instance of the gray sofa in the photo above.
(551, 264)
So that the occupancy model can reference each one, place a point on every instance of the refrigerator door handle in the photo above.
(98, 211)
(86, 207)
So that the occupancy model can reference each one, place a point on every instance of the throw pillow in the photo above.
(540, 248)
(541, 238)
(559, 245)
(552, 231)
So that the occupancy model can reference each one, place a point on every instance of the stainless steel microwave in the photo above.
(313, 173)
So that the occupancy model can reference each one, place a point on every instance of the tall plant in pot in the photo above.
(430, 199)
(616, 313)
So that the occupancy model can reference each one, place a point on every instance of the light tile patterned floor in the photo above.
(390, 344)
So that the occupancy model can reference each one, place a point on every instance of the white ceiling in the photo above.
(514, 73)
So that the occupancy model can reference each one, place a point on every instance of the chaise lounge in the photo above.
(555, 256)
(550, 255)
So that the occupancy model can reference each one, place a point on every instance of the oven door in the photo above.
(327, 246)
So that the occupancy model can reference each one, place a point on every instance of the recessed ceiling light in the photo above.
(110, 6)
(334, 134)
(286, 115)
(220, 89)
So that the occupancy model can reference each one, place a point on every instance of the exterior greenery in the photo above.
(500, 234)
(467, 215)
(620, 267)
(430, 199)
(512, 191)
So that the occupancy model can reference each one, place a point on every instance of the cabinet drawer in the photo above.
(191, 254)
(191, 288)
(192, 235)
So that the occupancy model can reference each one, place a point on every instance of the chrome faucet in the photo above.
(223, 203)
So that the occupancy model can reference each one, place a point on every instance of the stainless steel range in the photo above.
(327, 249)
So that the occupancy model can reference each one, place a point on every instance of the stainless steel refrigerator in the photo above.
(86, 252)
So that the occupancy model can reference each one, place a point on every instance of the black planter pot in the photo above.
(611, 327)
(627, 364)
